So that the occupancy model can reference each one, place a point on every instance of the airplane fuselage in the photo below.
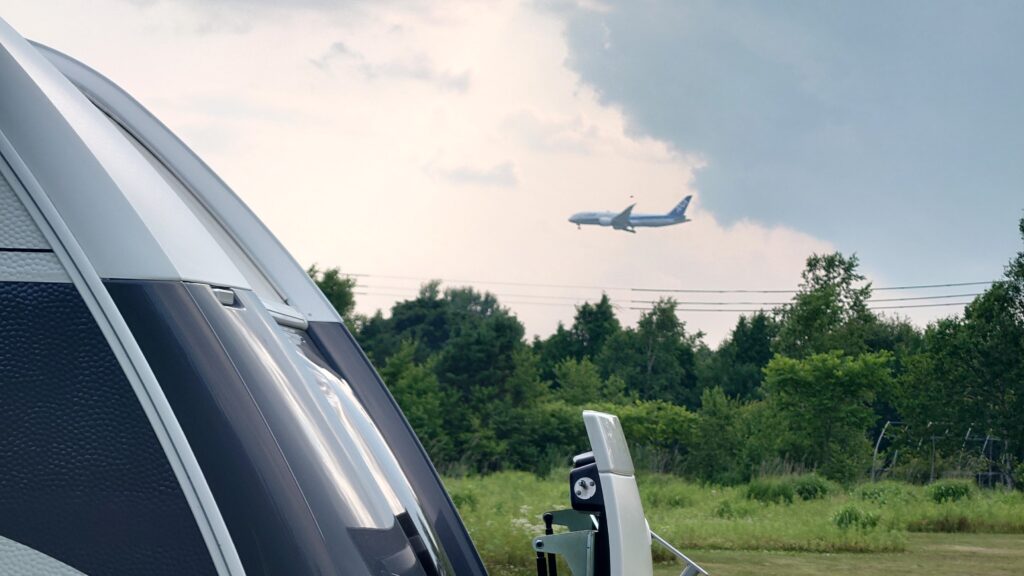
(629, 222)
(634, 221)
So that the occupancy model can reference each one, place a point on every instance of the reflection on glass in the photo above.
(367, 455)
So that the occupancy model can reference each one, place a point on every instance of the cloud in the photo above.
(413, 67)
(373, 168)
(500, 175)
(892, 129)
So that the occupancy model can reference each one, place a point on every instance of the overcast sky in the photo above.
(453, 139)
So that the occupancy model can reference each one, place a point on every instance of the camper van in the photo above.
(178, 397)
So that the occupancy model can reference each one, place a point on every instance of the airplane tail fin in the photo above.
(680, 209)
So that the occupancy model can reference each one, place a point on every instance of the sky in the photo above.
(404, 141)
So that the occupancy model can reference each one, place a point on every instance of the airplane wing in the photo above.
(622, 219)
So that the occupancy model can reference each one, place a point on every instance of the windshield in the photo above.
(369, 475)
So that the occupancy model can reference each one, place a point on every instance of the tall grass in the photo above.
(503, 512)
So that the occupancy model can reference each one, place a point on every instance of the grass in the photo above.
(868, 525)
(925, 555)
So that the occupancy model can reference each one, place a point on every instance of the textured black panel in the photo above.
(232, 384)
(268, 517)
(82, 475)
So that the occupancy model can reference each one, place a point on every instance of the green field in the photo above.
(925, 555)
(899, 528)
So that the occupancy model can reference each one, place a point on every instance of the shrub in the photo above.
(850, 516)
(463, 500)
(886, 493)
(771, 490)
(730, 510)
(665, 491)
(812, 486)
(950, 490)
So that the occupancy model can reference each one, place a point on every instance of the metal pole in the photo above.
(932, 479)
(878, 443)
(549, 529)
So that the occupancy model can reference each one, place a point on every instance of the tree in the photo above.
(580, 383)
(657, 360)
(418, 392)
(593, 325)
(737, 366)
(970, 374)
(825, 401)
(829, 312)
(718, 439)
(480, 358)
(430, 320)
(554, 349)
(339, 290)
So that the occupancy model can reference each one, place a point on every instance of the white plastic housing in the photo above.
(629, 538)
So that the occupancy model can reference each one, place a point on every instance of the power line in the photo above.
(751, 291)
(762, 309)
(406, 292)
(486, 282)
(413, 291)
(918, 306)
(924, 286)
(649, 289)
(678, 309)
(971, 295)
(783, 303)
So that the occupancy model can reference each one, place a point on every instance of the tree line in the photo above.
(804, 386)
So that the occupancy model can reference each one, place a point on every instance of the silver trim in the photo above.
(18, 90)
(120, 210)
(288, 278)
(114, 328)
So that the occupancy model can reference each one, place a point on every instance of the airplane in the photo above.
(629, 222)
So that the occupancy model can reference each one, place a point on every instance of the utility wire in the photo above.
(679, 309)
(409, 292)
(782, 303)
(648, 289)
(761, 309)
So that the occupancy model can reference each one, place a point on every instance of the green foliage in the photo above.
(463, 500)
(970, 374)
(718, 439)
(737, 365)
(987, 511)
(732, 509)
(851, 516)
(771, 490)
(580, 382)
(503, 511)
(804, 387)
(830, 310)
(667, 492)
(784, 489)
(657, 360)
(592, 327)
(812, 487)
(886, 493)
(418, 392)
(950, 490)
(339, 290)
(659, 433)
(826, 401)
